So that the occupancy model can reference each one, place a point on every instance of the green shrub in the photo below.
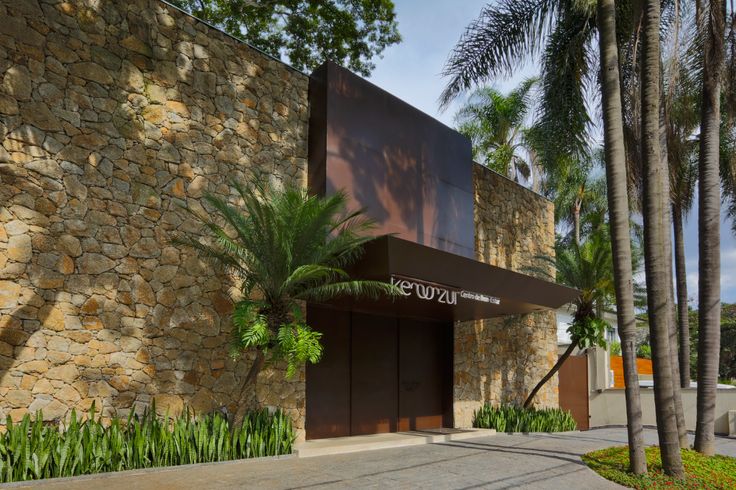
(32, 450)
(508, 418)
(644, 351)
(615, 348)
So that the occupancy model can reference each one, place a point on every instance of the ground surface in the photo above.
(500, 461)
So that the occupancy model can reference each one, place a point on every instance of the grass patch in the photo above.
(716, 472)
(508, 418)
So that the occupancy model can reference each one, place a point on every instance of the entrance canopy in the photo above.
(445, 286)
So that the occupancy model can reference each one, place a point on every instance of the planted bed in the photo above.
(32, 449)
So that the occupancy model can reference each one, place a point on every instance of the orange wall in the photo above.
(643, 366)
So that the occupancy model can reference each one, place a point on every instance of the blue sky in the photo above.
(410, 71)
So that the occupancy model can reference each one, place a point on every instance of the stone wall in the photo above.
(500, 360)
(114, 114)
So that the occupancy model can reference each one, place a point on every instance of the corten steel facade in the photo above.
(388, 364)
(114, 114)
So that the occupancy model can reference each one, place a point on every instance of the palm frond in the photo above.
(496, 43)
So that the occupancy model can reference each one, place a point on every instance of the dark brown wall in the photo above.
(411, 173)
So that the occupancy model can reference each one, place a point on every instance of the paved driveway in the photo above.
(500, 461)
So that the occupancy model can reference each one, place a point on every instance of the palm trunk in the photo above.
(576, 220)
(672, 323)
(656, 227)
(709, 200)
(247, 387)
(618, 209)
(552, 372)
(683, 319)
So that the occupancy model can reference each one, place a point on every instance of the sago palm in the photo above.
(284, 247)
(587, 267)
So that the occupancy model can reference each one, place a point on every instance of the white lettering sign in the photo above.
(427, 292)
(442, 294)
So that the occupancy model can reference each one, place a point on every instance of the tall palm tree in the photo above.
(563, 32)
(656, 243)
(681, 91)
(495, 125)
(578, 196)
(618, 206)
(709, 200)
(284, 247)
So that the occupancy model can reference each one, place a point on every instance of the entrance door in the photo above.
(573, 388)
(423, 374)
(374, 394)
(378, 374)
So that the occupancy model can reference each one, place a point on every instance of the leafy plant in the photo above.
(715, 472)
(349, 32)
(285, 247)
(644, 351)
(509, 418)
(31, 449)
(615, 348)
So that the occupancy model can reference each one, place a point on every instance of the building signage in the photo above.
(437, 292)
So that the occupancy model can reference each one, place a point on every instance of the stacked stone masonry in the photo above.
(114, 116)
(501, 360)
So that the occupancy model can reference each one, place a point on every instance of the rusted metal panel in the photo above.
(573, 389)
(328, 382)
(447, 273)
(411, 173)
(424, 355)
(374, 380)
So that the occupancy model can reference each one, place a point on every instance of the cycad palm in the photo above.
(494, 122)
(587, 267)
(284, 246)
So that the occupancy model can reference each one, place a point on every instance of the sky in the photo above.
(411, 71)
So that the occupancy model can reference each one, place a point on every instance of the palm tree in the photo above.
(618, 206)
(709, 266)
(284, 247)
(683, 177)
(494, 123)
(578, 196)
(589, 268)
(656, 242)
(563, 31)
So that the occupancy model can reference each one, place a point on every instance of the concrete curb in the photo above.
(143, 471)
(353, 444)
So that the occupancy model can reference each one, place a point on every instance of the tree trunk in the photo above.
(576, 220)
(548, 376)
(618, 212)
(709, 206)
(672, 322)
(683, 319)
(246, 385)
(656, 226)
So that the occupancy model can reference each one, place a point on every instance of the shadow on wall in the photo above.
(112, 117)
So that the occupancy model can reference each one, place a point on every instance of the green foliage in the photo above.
(708, 472)
(286, 247)
(727, 357)
(31, 449)
(508, 418)
(348, 32)
(644, 351)
(615, 348)
(494, 123)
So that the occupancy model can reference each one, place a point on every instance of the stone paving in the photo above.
(501, 461)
